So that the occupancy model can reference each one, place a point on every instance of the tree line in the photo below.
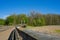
(33, 19)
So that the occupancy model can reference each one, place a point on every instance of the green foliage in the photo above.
(57, 31)
(2, 22)
(10, 19)
(22, 18)
(34, 19)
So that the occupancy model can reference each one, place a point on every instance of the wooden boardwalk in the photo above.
(12, 33)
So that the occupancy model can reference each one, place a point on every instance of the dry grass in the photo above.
(58, 31)
(53, 30)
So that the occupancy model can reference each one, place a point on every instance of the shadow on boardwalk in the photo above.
(11, 35)
(23, 35)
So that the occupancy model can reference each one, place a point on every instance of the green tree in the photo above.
(10, 20)
(2, 21)
(22, 18)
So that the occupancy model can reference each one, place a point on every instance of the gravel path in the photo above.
(5, 34)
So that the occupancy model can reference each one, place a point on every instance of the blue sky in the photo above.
(8, 7)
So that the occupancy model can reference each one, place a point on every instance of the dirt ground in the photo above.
(47, 29)
(5, 34)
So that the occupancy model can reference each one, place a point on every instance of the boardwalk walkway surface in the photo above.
(11, 34)
(41, 36)
(5, 34)
(17, 34)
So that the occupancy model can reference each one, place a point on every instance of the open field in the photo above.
(52, 30)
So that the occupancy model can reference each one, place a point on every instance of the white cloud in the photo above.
(4, 17)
